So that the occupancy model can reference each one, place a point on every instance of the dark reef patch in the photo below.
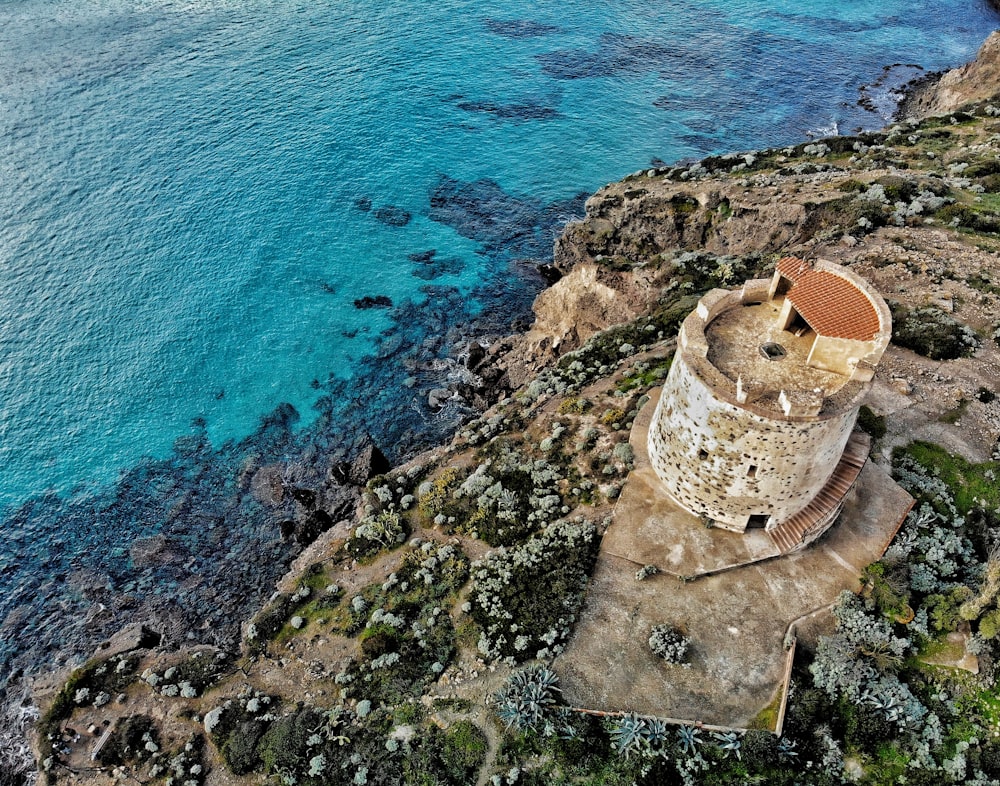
(393, 216)
(373, 301)
(439, 266)
(616, 54)
(505, 224)
(519, 28)
(527, 110)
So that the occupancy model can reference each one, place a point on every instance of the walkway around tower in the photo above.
(735, 595)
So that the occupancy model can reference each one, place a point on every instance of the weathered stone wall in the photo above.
(726, 462)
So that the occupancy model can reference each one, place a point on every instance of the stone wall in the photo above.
(728, 463)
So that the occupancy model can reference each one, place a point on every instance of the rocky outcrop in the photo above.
(975, 81)
(614, 263)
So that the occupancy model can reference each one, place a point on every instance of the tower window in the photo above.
(752, 471)
(703, 454)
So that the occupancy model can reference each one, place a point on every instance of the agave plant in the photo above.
(528, 702)
(690, 739)
(786, 749)
(729, 742)
(655, 737)
(628, 734)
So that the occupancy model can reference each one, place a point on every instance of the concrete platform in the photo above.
(736, 619)
(651, 529)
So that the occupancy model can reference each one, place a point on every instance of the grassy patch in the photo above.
(644, 375)
(767, 718)
(870, 423)
(972, 485)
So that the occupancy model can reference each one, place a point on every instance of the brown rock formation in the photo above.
(975, 81)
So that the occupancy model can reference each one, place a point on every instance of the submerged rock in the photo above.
(519, 28)
(393, 216)
(423, 257)
(369, 301)
(525, 110)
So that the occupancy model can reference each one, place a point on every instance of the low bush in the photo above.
(970, 218)
(407, 636)
(526, 598)
(285, 744)
(931, 332)
(870, 423)
(384, 530)
(670, 644)
(134, 739)
(463, 751)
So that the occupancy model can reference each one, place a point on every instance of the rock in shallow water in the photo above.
(378, 301)
(393, 216)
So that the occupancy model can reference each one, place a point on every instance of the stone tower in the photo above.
(754, 424)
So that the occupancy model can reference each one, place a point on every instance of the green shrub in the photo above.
(463, 751)
(239, 750)
(943, 609)
(613, 416)
(573, 406)
(385, 530)
(378, 640)
(969, 218)
(991, 183)
(870, 423)
(437, 493)
(982, 169)
(931, 332)
(271, 619)
(284, 746)
(898, 189)
(526, 597)
(202, 669)
(852, 186)
(134, 739)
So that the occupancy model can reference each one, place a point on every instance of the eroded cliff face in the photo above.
(975, 81)
(616, 262)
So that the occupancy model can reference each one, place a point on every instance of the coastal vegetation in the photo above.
(419, 644)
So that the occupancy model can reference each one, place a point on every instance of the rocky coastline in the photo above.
(647, 244)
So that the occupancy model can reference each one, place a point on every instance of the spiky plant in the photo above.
(729, 742)
(528, 701)
(690, 739)
(628, 734)
(786, 749)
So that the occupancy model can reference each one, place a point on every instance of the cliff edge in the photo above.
(975, 81)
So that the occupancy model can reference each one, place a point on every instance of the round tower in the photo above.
(754, 424)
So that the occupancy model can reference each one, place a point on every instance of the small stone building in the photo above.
(754, 427)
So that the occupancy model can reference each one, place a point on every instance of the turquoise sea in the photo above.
(193, 195)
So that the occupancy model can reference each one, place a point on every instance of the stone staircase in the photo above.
(824, 507)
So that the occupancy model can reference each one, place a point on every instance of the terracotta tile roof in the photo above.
(833, 306)
(792, 267)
